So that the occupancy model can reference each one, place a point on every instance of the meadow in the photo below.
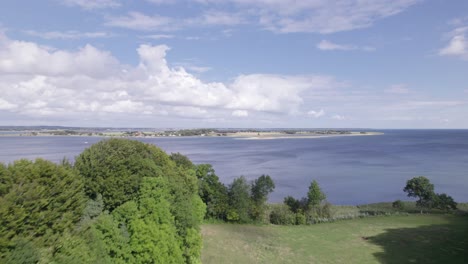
(414, 238)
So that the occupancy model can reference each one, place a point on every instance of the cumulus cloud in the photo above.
(20, 57)
(458, 46)
(42, 81)
(328, 46)
(316, 114)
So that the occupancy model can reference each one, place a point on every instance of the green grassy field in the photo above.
(384, 239)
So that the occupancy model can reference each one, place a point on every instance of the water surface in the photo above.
(350, 169)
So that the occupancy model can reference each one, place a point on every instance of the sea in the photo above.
(351, 170)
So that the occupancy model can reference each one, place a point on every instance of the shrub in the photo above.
(281, 215)
(398, 204)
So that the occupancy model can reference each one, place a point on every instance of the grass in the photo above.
(433, 238)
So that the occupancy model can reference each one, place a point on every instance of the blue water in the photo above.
(351, 170)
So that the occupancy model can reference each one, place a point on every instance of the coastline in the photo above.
(302, 136)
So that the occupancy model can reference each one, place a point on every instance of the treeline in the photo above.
(121, 202)
(242, 201)
(246, 202)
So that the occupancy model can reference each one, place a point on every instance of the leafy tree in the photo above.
(114, 168)
(261, 188)
(421, 188)
(154, 237)
(239, 198)
(212, 192)
(182, 160)
(42, 201)
(315, 195)
(293, 204)
(444, 202)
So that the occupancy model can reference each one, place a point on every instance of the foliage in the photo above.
(181, 160)
(281, 215)
(315, 195)
(293, 204)
(212, 192)
(42, 200)
(261, 188)
(114, 168)
(421, 188)
(444, 202)
(239, 199)
(398, 204)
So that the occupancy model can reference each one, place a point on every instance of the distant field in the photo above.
(384, 239)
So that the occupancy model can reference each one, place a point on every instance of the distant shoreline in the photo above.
(283, 136)
(237, 135)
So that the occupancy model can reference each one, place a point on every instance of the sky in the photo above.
(234, 63)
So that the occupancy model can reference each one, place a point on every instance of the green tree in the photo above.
(212, 192)
(182, 160)
(444, 202)
(42, 201)
(315, 195)
(293, 204)
(239, 199)
(261, 188)
(114, 168)
(420, 187)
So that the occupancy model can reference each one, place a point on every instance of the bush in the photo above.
(300, 218)
(398, 204)
(281, 215)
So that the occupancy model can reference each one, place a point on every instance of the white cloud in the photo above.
(42, 81)
(328, 46)
(192, 67)
(240, 113)
(217, 18)
(316, 114)
(71, 34)
(280, 16)
(320, 16)
(5, 105)
(20, 57)
(458, 46)
(139, 21)
(273, 93)
(338, 117)
(398, 89)
(92, 4)
(143, 22)
(159, 36)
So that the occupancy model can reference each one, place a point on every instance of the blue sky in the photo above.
(234, 63)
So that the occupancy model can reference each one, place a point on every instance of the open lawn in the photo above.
(384, 239)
